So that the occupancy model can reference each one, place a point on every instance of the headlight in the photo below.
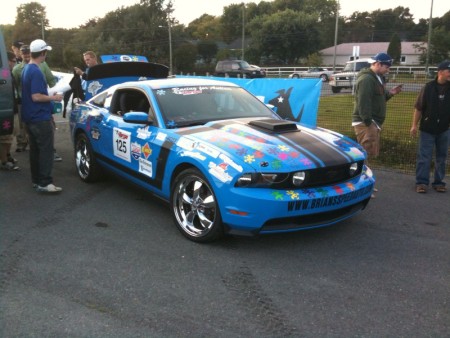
(261, 180)
(298, 178)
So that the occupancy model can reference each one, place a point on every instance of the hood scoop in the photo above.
(275, 126)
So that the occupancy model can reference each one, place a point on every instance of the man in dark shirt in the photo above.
(432, 110)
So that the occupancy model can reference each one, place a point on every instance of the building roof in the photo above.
(371, 48)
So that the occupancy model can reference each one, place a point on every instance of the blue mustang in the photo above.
(224, 160)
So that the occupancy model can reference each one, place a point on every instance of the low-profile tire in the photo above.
(336, 90)
(195, 208)
(87, 167)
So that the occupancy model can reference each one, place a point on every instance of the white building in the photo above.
(344, 52)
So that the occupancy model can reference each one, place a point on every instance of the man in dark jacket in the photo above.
(432, 109)
(370, 103)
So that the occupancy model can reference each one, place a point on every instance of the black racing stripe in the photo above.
(193, 131)
(329, 155)
(162, 161)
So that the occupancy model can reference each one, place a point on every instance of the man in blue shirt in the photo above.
(37, 110)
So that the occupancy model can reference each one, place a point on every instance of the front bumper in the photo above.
(255, 210)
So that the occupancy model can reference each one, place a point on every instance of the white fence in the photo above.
(416, 71)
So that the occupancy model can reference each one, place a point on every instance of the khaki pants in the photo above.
(369, 138)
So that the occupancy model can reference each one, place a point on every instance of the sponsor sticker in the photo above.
(143, 133)
(146, 150)
(145, 167)
(135, 150)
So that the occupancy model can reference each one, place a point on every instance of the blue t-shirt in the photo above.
(33, 82)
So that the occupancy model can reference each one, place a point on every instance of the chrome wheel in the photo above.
(85, 160)
(195, 207)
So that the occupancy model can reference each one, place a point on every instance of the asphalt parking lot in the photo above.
(105, 260)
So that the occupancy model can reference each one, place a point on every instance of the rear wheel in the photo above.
(295, 76)
(195, 208)
(87, 167)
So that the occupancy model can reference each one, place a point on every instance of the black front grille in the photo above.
(321, 177)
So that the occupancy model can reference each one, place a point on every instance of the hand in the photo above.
(396, 90)
(58, 97)
(413, 131)
(78, 71)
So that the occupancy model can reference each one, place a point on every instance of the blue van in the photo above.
(6, 92)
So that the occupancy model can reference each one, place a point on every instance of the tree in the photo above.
(285, 36)
(395, 48)
(207, 49)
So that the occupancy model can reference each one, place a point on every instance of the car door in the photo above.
(132, 149)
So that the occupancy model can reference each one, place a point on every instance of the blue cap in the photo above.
(384, 58)
(444, 65)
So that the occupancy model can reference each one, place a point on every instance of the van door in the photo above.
(6, 92)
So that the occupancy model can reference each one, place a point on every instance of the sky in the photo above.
(62, 15)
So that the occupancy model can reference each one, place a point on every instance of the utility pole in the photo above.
(429, 38)
(243, 31)
(336, 35)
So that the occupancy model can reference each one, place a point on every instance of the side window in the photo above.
(129, 100)
(235, 66)
(227, 66)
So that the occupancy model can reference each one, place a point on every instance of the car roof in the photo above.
(176, 82)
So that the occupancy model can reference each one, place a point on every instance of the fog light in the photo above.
(353, 169)
(298, 178)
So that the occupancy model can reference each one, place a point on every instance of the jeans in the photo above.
(41, 138)
(424, 156)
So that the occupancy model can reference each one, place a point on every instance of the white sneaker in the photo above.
(51, 188)
(9, 166)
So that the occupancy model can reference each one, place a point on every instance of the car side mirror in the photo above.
(137, 118)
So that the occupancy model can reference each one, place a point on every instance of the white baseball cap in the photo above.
(39, 45)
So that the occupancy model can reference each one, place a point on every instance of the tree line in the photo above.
(278, 32)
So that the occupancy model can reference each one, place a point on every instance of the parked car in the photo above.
(238, 68)
(347, 77)
(224, 161)
(313, 72)
(6, 91)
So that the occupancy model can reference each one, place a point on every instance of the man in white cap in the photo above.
(370, 103)
(37, 110)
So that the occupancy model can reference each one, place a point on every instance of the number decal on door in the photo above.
(122, 144)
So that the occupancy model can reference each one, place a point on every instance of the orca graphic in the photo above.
(283, 107)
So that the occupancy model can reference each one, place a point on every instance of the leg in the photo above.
(424, 156)
(442, 142)
(43, 134)
(369, 138)
(21, 135)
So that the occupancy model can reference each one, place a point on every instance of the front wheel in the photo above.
(195, 208)
(336, 90)
(87, 167)
(324, 77)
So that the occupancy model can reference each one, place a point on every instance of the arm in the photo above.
(38, 97)
(416, 118)
(51, 81)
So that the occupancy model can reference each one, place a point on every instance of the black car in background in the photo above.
(238, 68)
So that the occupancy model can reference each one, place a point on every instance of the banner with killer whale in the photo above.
(292, 99)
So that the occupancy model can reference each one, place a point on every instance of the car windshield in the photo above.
(357, 66)
(244, 64)
(197, 105)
